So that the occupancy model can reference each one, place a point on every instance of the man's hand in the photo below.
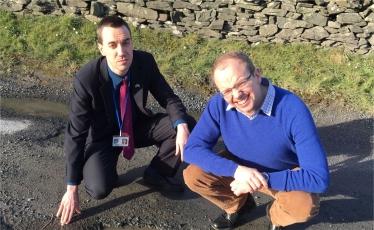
(69, 205)
(182, 135)
(247, 180)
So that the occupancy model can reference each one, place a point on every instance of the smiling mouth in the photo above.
(242, 102)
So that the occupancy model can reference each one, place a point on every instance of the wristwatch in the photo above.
(266, 176)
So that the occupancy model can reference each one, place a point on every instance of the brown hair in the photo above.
(221, 62)
(110, 21)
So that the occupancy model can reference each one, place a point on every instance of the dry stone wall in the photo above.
(327, 23)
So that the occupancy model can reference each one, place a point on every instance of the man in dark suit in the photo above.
(94, 121)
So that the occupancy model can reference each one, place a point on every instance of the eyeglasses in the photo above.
(227, 94)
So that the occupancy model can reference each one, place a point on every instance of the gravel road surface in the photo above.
(33, 116)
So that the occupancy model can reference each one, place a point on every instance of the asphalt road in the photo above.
(32, 168)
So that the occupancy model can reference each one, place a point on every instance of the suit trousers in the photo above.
(287, 208)
(100, 167)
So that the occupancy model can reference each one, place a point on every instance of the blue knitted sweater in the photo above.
(274, 144)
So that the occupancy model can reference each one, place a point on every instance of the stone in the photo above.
(157, 5)
(362, 51)
(278, 41)
(335, 9)
(346, 38)
(370, 18)
(210, 33)
(206, 15)
(369, 28)
(288, 7)
(363, 35)
(136, 11)
(275, 12)
(250, 22)
(364, 13)
(355, 29)
(344, 30)
(268, 30)
(348, 3)
(292, 15)
(229, 11)
(273, 5)
(226, 17)
(243, 16)
(185, 5)
(249, 32)
(71, 9)
(257, 38)
(331, 30)
(77, 3)
(200, 24)
(139, 2)
(92, 18)
(371, 40)
(316, 19)
(351, 46)
(348, 18)
(217, 25)
(252, 7)
(287, 34)
(305, 8)
(316, 33)
(163, 17)
(362, 42)
(328, 43)
(11, 6)
(333, 24)
(286, 23)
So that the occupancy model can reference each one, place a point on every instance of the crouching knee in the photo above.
(191, 177)
(99, 192)
(308, 207)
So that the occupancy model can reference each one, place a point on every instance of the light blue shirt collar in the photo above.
(267, 105)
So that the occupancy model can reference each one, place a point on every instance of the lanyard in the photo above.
(124, 112)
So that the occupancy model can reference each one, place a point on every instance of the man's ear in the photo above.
(100, 47)
(257, 74)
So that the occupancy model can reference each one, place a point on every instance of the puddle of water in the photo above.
(36, 107)
(43, 108)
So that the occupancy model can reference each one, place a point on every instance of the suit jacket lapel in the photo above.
(106, 89)
(137, 82)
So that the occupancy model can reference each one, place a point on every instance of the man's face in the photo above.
(239, 87)
(118, 48)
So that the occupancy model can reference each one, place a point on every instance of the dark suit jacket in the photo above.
(92, 111)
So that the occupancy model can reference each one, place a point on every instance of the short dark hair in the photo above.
(110, 21)
(221, 62)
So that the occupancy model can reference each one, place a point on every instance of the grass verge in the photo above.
(60, 45)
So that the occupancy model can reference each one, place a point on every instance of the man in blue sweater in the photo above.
(272, 146)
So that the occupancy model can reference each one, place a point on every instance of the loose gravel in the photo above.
(32, 169)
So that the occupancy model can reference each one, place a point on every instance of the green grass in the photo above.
(61, 45)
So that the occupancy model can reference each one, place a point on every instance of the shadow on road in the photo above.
(349, 200)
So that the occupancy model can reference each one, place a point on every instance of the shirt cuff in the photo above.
(177, 122)
(73, 183)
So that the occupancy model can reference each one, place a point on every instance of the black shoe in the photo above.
(271, 225)
(152, 177)
(227, 221)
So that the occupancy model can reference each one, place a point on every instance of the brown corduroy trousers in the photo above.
(288, 207)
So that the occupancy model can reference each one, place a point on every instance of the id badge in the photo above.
(120, 141)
